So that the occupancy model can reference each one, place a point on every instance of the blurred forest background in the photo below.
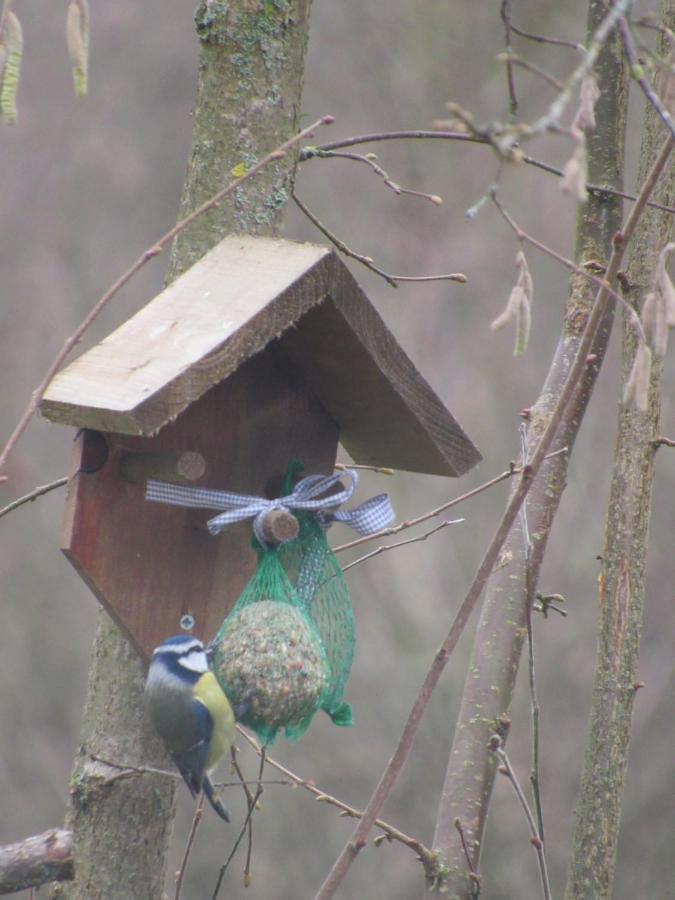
(87, 185)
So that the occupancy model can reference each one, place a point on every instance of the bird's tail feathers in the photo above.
(210, 792)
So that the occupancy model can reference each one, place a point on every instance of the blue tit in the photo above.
(190, 712)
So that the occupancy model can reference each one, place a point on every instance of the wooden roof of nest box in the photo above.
(264, 351)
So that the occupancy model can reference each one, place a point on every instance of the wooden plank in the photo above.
(218, 314)
(148, 563)
(387, 412)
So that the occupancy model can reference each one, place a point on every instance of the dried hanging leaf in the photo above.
(654, 324)
(519, 306)
(11, 41)
(589, 94)
(523, 325)
(637, 386)
(77, 38)
(664, 286)
(575, 172)
(511, 309)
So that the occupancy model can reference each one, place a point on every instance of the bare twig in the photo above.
(513, 59)
(127, 769)
(540, 39)
(586, 272)
(576, 372)
(550, 121)
(253, 803)
(546, 602)
(651, 21)
(510, 80)
(196, 819)
(597, 188)
(250, 803)
(537, 840)
(313, 152)
(534, 709)
(385, 547)
(368, 159)
(475, 877)
(410, 523)
(394, 834)
(638, 73)
(664, 442)
(33, 495)
(421, 134)
(149, 254)
(393, 280)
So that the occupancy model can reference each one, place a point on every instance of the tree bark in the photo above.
(249, 92)
(622, 579)
(502, 627)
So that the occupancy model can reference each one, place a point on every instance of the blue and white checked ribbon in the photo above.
(368, 518)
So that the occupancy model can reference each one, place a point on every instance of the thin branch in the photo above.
(597, 188)
(558, 42)
(393, 280)
(510, 81)
(311, 153)
(385, 547)
(550, 121)
(572, 266)
(149, 254)
(196, 819)
(392, 833)
(664, 442)
(475, 877)
(540, 39)
(369, 160)
(33, 495)
(410, 523)
(391, 772)
(514, 59)
(651, 21)
(537, 840)
(250, 803)
(244, 828)
(546, 602)
(638, 73)
(129, 769)
(534, 710)
(36, 860)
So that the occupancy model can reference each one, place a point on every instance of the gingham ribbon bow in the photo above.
(369, 517)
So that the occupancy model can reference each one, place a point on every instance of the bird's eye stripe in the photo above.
(194, 660)
(178, 647)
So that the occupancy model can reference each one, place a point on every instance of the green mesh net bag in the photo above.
(286, 649)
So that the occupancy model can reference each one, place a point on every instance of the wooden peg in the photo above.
(181, 467)
(279, 526)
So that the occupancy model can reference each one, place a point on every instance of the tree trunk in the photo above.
(621, 584)
(502, 627)
(250, 83)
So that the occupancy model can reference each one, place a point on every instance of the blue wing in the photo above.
(191, 763)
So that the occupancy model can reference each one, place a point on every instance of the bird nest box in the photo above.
(263, 352)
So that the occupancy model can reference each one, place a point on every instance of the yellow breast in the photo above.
(209, 692)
